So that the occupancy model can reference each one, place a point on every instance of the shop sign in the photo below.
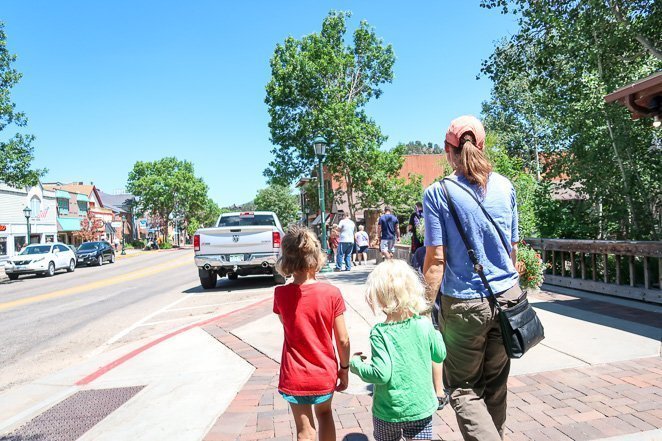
(3, 227)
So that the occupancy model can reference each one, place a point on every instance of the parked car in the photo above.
(241, 244)
(95, 253)
(41, 259)
(73, 248)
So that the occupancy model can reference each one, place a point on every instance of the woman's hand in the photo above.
(343, 380)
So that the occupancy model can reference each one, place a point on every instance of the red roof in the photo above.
(430, 167)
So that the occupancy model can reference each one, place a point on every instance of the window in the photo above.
(35, 206)
(19, 243)
(3, 246)
(61, 247)
(63, 206)
(247, 220)
(50, 238)
(82, 208)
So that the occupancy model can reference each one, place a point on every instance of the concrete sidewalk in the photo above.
(598, 374)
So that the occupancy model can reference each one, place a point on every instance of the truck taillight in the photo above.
(275, 238)
(196, 242)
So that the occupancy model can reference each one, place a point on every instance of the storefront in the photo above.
(14, 225)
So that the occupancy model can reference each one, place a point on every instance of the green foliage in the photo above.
(166, 246)
(550, 79)
(524, 182)
(168, 188)
(534, 268)
(206, 217)
(136, 244)
(17, 152)
(281, 201)
(419, 148)
(319, 86)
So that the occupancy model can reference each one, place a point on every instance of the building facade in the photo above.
(13, 224)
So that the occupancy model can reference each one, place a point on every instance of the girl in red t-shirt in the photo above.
(311, 313)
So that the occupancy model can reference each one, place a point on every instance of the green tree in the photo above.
(17, 152)
(550, 79)
(206, 217)
(419, 148)
(319, 86)
(167, 188)
(280, 200)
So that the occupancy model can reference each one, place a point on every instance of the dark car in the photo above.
(95, 253)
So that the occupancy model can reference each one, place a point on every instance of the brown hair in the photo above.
(300, 251)
(471, 162)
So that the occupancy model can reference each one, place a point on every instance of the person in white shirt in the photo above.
(346, 228)
(362, 242)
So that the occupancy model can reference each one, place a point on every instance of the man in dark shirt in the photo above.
(388, 233)
(414, 221)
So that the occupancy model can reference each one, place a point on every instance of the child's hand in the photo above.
(343, 380)
(360, 354)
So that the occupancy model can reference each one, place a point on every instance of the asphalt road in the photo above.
(48, 324)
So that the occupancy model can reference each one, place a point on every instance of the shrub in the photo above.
(534, 268)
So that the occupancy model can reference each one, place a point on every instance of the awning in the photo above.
(82, 198)
(317, 220)
(61, 194)
(109, 229)
(68, 224)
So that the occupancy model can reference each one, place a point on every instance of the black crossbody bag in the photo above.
(521, 328)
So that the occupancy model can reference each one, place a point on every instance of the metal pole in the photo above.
(27, 221)
(123, 239)
(325, 243)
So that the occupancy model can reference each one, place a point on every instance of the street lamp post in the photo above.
(123, 236)
(27, 212)
(319, 145)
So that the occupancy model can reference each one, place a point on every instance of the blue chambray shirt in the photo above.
(460, 281)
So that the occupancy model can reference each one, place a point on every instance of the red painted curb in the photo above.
(112, 365)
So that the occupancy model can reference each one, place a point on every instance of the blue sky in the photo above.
(108, 83)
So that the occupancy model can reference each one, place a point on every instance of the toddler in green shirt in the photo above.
(402, 349)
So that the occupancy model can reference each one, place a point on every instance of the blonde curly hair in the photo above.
(394, 286)
(300, 252)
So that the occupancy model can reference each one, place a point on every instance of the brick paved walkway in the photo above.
(569, 404)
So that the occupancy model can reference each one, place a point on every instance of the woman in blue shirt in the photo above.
(476, 368)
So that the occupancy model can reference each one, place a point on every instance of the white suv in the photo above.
(45, 258)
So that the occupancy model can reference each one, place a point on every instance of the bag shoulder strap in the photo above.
(478, 268)
(487, 215)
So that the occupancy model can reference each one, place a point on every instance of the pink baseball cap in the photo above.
(463, 124)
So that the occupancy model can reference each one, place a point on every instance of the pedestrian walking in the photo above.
(389, 232)
(477, 367)
(312, 314)
(334, 241)
(117, 243)
(402, 349)
(414, 222)
(362, 242)
(346, 228)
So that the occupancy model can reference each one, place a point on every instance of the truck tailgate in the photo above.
(237, 240)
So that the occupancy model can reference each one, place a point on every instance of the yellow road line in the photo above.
(133, 275)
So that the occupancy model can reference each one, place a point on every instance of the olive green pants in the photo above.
(476, 366)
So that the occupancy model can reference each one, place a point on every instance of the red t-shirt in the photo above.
(308, 364)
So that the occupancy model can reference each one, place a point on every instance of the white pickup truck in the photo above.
(241, 244)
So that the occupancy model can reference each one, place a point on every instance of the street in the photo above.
(49, 324)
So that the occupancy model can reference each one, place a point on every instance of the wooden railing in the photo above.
(618, 268)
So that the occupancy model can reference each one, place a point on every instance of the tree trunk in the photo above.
(645, 42)
(350, 195)
(626, 186)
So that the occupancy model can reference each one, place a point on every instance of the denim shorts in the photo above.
(417, 430)
(306, 399)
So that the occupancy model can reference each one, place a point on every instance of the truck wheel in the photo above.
(233, 276)
(279, 279)
(12, 276)
(207, 279)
